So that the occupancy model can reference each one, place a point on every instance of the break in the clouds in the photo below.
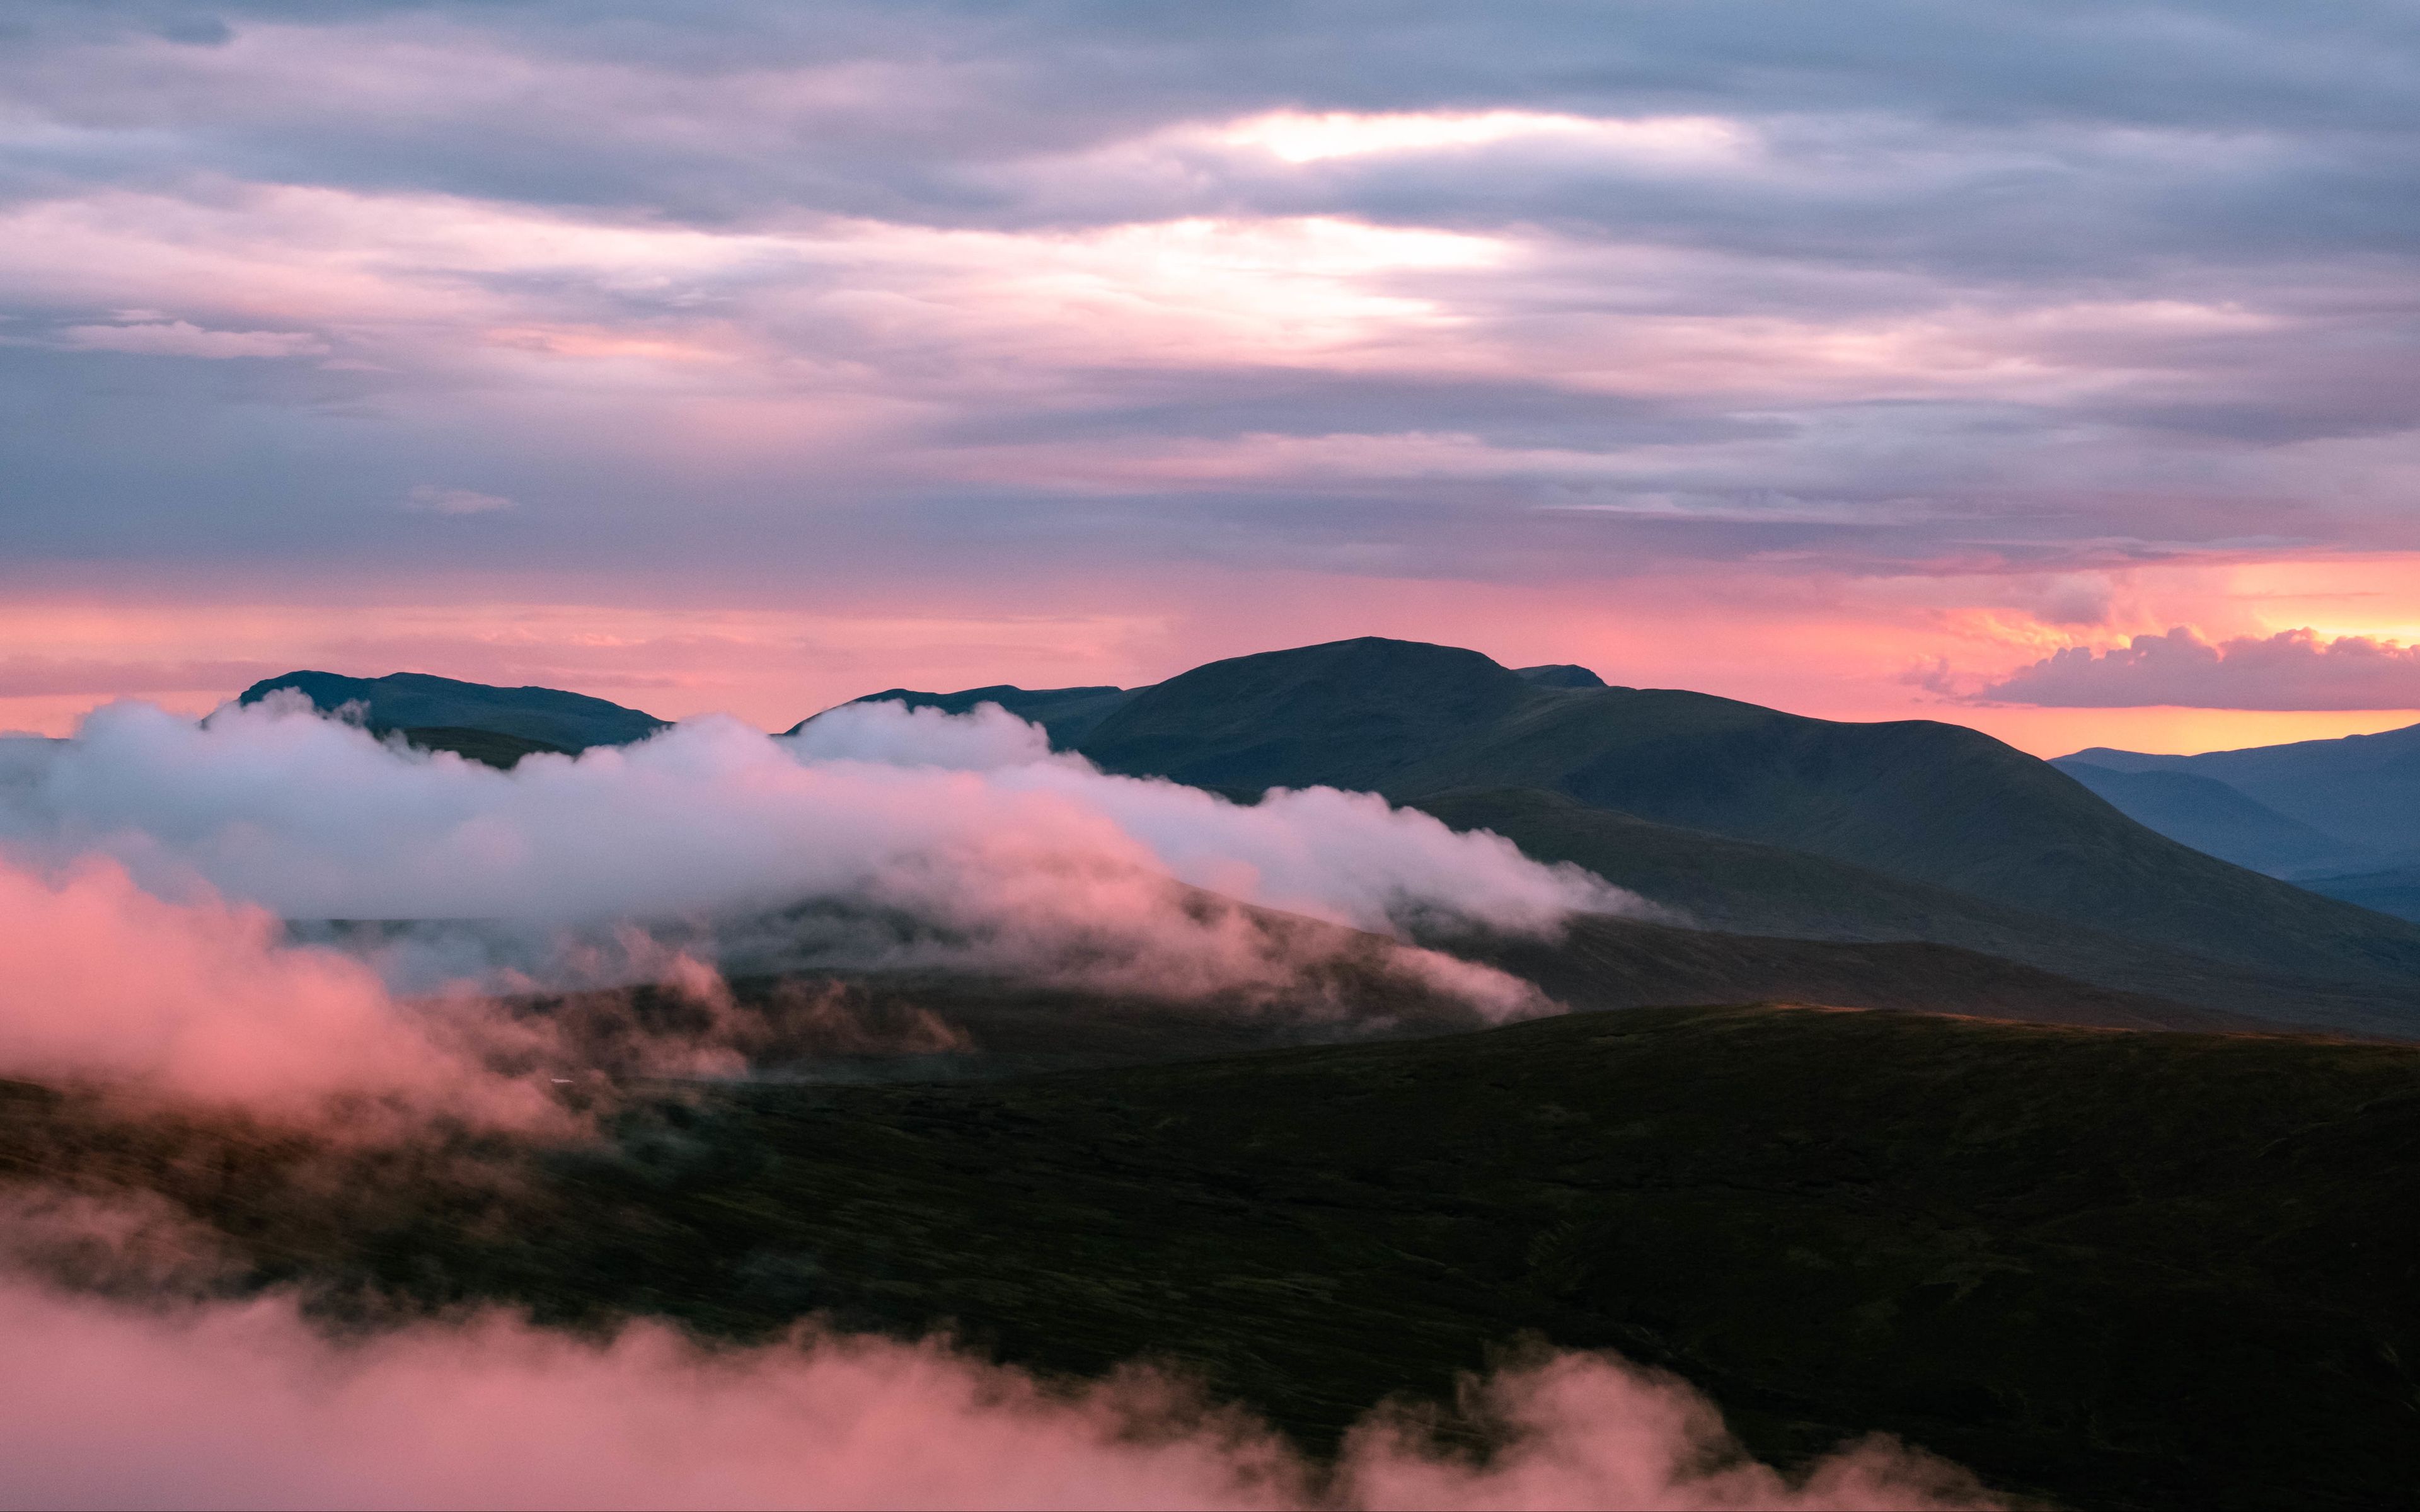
(1441, 290)
(2294, 669)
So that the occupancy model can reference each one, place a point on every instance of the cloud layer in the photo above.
(245, 1406)
(1432, 292)
(876, 837)
(2292, 669)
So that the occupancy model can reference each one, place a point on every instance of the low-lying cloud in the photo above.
(2292, 669)
(316, 819)
(151, 868)
(199, 1001)
(245, 1405)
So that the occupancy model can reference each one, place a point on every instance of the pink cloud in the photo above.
(198, 1000)
(245, 1406)
(2292, 669)
(182, 338)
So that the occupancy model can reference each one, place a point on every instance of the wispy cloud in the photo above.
(430, 498)
(182, 338)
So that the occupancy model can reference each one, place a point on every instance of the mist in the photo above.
(877, 837)
(245, 1404)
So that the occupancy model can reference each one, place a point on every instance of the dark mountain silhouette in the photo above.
(1754, 821)
(2218, 820)
(1068, 714)
(498, 750)
(1771, 823)
(2393, 889)
(1562, 675)
(547, 718)
(2361, 789)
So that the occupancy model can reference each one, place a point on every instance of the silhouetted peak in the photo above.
(1558, 674)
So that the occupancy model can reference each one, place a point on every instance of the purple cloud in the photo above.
(2292, 669)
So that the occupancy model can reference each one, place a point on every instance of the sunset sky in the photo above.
(2038, 365)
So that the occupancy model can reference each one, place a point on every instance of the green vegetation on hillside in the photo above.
(2115, 1268)
(1936, 805)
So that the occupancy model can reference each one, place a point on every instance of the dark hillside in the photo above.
(2361, 788)
(1606, 962)
(403, 701)
(1746, 888)
(503, 752)
(1353, 714)
(2217, 820)
(2389, 890)
(2114, 1270)
(1927, 803)
(1068, 714)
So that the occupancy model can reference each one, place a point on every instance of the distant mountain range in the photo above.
(2340, 817)
(1756, 822)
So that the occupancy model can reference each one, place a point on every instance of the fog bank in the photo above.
(242, 1405)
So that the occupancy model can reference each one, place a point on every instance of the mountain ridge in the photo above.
(1761, 821)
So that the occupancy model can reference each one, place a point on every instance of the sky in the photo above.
(2043, 366)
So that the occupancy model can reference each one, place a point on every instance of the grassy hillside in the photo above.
(1931, 804)
(2118, 1269)
(1743, 888)
(1603, 963)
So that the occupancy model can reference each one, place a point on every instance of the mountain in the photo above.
(1754, 821)
(2362, 790)
(1066, 714)
(1931, 804)
(2216, 819)
(1562, 675)
(546, 718)
(2391, 890)
(1763, 822)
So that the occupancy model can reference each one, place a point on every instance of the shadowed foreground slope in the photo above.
(2118, 1268)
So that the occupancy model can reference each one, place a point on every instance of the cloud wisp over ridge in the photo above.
(1002, 856)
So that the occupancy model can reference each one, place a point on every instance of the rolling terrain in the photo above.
(1744, 819)
(2362, 790)
(1911, 829)
(2217, 820)
(2107, 1269)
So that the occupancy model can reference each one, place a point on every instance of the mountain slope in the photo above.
(1067, 713)
(2389, 890)
(2363, 790)
(1916, 800)
(2215, 819)
(404, 700)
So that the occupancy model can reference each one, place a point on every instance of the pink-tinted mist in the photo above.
(245, 1405)
(197, 999)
